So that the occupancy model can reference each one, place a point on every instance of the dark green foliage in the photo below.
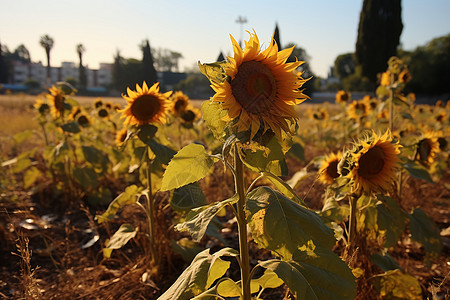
(3, 66)
(380, 27)
(344, 65)
(148, 69)
(47, 43)
(82, 79)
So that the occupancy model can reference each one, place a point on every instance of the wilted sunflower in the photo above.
(121, 136)
(145, 105)
(180, 102)
(374, 163)
(329, 168)
(262, 88)
(343, 97)
(56, 98)
(427, 147)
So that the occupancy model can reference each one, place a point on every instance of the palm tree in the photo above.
(82, 72)
(47, 43)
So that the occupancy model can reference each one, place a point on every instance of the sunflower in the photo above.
(321, 114)
(371, 102)
(374, 163)
(329, 168)
(83, 120)
(145, 105)
(121, 136)
(98, 103)
(56, 98)
(404, 76)
(343, 97)
(427, 147)
(180, 103)
(41, 107)
(385, 78)
(190, 115)
(103, 113)
(358, 110)
(262, 88)
(75, 112)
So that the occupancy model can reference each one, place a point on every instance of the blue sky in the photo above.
(199, 30)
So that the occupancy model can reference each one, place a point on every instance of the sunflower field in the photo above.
(256, 193)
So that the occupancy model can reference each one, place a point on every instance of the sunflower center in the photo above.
(180, 105)
(254, 87)
(145, 107)
(188, 116)
(424, 149)
(332, 169)
(371, 163)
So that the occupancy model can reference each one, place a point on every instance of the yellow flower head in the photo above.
(374, 163)
(103, 113)
(145, 105)
(180, 102)
(262, 88)
(329, 168)
(441, 117)
(98, 103)
(385, 78)
(404, 76)
(56, 98)
(427, 147)
(358, 109)
(343, 97)
(121, 136)
(41, 107)
(190, 115)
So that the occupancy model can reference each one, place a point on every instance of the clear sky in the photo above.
(199, 30)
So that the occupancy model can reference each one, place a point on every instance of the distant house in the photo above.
(168, 80)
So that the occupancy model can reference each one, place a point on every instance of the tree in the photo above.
(166, 60)
(149, 72)
(82, 79)
(276, 36)
(22, 54)
(380, 27)
(47, 43)
(4, 73)
(344, 65)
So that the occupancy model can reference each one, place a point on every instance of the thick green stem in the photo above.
(352, 222)
(242, 225)
(151, 213)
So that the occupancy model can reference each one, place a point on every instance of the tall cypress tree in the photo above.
(276, 36)
(149, 71)
(380, 27)
(3, 67)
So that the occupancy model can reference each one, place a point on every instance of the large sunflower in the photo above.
(56, 98)
(261, 89)
(374, 163)
(145, 105)
(180, 102)
(329, 169)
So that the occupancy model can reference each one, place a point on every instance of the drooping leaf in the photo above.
(71, 127)
(426, 232)
(201, 273)
(269, 280)
(391, 219)
(213, 114)
(96, 158)
(146, 132)
(125, 233)
(22, 136)
(86, 177)
(333, 212)
(395, 284)
(163, 153)
(187, 197)
(215, 72)
(384, 262)
(417, 171)
(297, 151)
(199, 218)
(282, 226)
(129, 196)
(284, 188)
(190, 164)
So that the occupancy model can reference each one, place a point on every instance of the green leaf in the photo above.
(417, 171)
(201, 273)
(86, 177)
(187, 197)
(30, 177)
(213, 71)
(282, 226)
(384, 262)
(163, 153)
(95, 157)
(391, 219)
(284, 188)
(125, 233)
(269, 280)
(333, 212)
(146, 132)
(426, 232)
(198, 219)
(213, 114)
(22, 136)
(395, 284)
(190, 164)
(130, 196)
(297, 151)
(71, 127)
(186, 248)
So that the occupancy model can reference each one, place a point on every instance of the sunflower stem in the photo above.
(242, 225)
(151, 212)
(352, 221)
(391, 109)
